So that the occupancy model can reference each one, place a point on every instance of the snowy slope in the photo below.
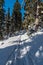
(22, 49)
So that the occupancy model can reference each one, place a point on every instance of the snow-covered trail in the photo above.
(17, 55)
(7, 49)
(13, 55)
(22, 50)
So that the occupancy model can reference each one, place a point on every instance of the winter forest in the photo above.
(21, 33)
(16, 22)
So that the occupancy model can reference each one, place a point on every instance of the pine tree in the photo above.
(32, 10)
(13, 22)
(1, 18)
(37, 18)
(17, 15)
(41, 14)
(29, 18)
(8, 22)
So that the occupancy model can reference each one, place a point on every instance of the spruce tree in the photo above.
(17, 15)
(32, 10)
(28, 16)
(13, 22)
(41, 14)
(1, 18)
(8, 22)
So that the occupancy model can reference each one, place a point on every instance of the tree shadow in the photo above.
(17, 56)
(5, 53)
(35, 44)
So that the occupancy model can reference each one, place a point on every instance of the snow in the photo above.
(37, 54)
(22, 49)
(41, 48)
(9, 62)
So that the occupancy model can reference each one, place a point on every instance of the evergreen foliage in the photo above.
(17, 16)
(8, 22)
(1, 17)
(31, 10)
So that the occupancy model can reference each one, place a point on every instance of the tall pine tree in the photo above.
(17, 15)
(32, 10)
(8, 22)
(1, 17)
(28, 18)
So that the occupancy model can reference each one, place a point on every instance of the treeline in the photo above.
(10, 24)
(33, 13)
